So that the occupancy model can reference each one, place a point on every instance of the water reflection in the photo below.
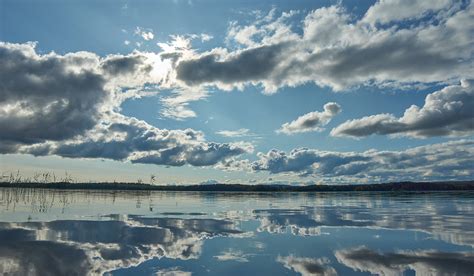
(52, 232)
(100, 246)
(308, 266)
(422, 262)
(445, 217)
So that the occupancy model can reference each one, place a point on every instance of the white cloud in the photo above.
(385, 11)
(234, 133)
(338, 52)
(145, 33)
(206, 37)
(450, 160)
(313, 121)
(447, 112)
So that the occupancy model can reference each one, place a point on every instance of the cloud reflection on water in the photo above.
(422, 262)
(34, 248)
(77, 233)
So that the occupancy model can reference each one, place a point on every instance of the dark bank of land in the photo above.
(394, 186)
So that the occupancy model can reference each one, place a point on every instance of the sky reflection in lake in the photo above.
(128, 233)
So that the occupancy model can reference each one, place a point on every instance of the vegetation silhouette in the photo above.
(388, 187)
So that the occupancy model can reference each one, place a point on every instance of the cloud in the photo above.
(334, 49)
(206, 37)
(203, 37)
(247, 65)
(450, 160)
(48, 97)
(123, 65)
(67, 105)
(203, 154)
(138, 142)
(176, 106)
(146, 34)
(422, 262)
(448, 112)
(312, 121)
(234, 133)
(385, 11)
(307, 266)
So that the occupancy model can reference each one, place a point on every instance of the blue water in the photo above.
(54, 232)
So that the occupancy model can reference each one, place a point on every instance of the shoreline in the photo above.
(382, 187)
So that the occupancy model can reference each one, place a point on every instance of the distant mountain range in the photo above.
(388, 187)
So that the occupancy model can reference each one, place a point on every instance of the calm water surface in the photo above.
(53, 232)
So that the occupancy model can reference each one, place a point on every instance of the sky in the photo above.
(286, 92)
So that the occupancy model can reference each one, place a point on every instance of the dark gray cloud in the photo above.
(247, 65)
(55, 97)
(313, 121)
(422, 262)
(437, 161)
(119, 65)
(448, 112)
(47, 97)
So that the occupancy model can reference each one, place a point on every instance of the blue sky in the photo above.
(251, 81)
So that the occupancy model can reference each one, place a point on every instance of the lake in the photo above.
(57, 232)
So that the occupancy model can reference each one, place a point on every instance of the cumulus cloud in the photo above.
(129, 139)
(332, 49)
(448, 112)
(422, 262)
(437, 161)
(313, 121)
(67, 105)
(307, 266)
(48, 97)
